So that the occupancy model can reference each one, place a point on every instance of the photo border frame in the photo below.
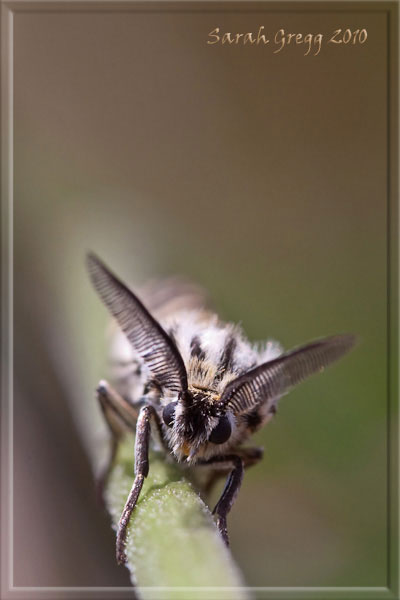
(8, 9)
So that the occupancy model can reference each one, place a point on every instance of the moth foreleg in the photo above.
(250, 456)
(143, 430)
(120, 417)
(231, 489)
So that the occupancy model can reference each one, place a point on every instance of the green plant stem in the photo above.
(172, 542)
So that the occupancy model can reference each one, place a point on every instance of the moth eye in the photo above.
(222, 432)
(168, 413)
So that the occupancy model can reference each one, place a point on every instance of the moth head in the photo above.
(196, 421)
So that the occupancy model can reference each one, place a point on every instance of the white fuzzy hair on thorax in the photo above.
(213, 337)
(223, 351)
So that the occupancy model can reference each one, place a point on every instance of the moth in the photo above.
(195, 384)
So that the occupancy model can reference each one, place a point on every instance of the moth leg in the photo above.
(250, 456)
(141, 471)
(120, 417)
(231, 489)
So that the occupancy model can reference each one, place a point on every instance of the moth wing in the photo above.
(166, 297)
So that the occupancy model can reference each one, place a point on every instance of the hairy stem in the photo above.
(173, 548)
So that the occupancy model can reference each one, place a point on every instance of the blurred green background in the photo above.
(263, 178)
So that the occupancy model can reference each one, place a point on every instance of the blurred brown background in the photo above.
(261, 176)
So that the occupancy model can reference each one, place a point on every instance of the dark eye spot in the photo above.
(168, 413)
(222, 432)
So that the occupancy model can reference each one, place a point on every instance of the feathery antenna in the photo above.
(274, 378)
(145, 334)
